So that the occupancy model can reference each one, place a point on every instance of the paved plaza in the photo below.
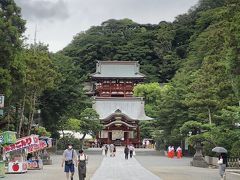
(143, 167)
(55, 171)
(176, 169)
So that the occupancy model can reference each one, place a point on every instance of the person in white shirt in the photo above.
(131, 149)
(82, 168)
(69, 159)
(179, 152)
(147, 143)
(169, 152)
(111, 150)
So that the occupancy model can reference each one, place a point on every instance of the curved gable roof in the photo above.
(132, 107)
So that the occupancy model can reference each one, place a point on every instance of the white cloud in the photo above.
(59, 20)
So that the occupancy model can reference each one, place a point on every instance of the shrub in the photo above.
(235, 151)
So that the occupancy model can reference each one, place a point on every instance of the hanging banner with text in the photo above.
(1, 101)
(22, 143)
(37, 147)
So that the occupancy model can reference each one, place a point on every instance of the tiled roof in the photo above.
(132, 107)
(117, 69)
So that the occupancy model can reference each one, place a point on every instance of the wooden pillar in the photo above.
(138, 135)
(100, 88)
(124, 88)
(97, 134)
(110, 88)
(127, 138)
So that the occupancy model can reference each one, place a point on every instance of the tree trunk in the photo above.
(82, 140)
(32, 113)
(63, 132)
(22, 115)
(209, 116)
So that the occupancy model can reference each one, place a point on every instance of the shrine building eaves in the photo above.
(132, 107)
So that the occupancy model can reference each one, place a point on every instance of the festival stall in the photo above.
(34, 161)
(16, 153)
(24, 154)
(45, 155)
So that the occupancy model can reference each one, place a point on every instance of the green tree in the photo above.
(12, 26)
(86, 123)
(67, 98)
(39, 75)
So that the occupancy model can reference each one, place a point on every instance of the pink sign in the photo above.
(36, 147)
(22, 143)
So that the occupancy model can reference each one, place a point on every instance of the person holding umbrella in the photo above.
(222, 160)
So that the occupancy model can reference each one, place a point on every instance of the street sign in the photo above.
(1, 101)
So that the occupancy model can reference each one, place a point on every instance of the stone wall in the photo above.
(211, 160)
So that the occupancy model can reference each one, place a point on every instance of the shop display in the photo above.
(23, 154)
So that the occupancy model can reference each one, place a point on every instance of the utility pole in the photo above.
(35, 39)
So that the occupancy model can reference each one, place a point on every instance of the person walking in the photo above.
(222, 162)
(114, 151)
(82, 165)
(179, 152)
(126, 152)
(111, 147)
(106, 149)
(69, 159)
(131, 149)
(168, 151)
(172, 152)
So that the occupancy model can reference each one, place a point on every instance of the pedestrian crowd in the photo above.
(129, 150)
(111, 148)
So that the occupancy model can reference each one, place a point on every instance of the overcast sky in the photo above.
(58, 21)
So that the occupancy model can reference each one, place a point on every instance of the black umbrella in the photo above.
(219, 150)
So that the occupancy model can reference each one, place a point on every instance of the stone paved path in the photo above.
(118, 168)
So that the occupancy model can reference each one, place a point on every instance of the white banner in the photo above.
(1, 101)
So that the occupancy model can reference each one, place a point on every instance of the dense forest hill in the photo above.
(197, 57)
(159, 48)
(125, 40)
